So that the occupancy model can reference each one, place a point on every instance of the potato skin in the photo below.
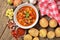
(43, 33)
(43, 22)
(33, 32)
(57, 32)
(27, 37)
(51, 34)
(52, 23)
(36, 38)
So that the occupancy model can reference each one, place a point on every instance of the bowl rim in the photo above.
(20, 6)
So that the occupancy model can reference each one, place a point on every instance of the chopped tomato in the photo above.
(14, 33)
(20, 31)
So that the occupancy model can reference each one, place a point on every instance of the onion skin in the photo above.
(17, 2)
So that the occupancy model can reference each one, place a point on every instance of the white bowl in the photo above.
(15, 13)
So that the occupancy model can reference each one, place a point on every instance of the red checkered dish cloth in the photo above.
(50, 8)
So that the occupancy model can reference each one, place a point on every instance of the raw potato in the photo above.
(36, 38)
(43, 33)
(51, 34)
(43, 22)
(52, 23)
(33, 32)
(27, 37)
(57, 32)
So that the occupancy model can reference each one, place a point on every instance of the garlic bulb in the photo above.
(33, 1)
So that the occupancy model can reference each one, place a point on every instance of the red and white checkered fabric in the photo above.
(50, 8)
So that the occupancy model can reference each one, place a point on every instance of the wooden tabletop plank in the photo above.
(6, 35)
(2, 10)
(3, 24)
(18, 39)
(3, 19)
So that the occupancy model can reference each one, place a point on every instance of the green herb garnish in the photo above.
(27, 14)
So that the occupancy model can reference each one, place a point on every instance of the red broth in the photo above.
(26, 16)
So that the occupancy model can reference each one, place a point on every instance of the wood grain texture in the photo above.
(3, 21)
(6, 35)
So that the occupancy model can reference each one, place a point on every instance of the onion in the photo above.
(33, 1)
